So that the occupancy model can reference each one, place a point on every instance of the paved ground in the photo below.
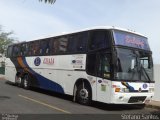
(15, 101)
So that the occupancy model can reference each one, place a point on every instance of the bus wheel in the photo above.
(83, 94)
(26, 82)
(18, 81)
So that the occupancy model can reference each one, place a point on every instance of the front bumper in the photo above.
(131, 98)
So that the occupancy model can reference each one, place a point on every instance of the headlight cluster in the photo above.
(121, 90)
(124, 89)
(151, 90)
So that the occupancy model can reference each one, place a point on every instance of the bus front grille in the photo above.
(137, 99)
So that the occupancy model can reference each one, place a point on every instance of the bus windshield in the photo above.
(133, 65)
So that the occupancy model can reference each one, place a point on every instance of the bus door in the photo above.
(103, 73)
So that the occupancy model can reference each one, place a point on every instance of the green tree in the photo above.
(5, 40)
(48, 1)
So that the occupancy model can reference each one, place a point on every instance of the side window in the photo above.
(19, 50)
(16, 51)
(82, 42)
(63, 43)
(78, 42)
(56, 45)
(104, 66)
(30, 48)
(26, 53)
(23, 49)
(72, 48)
(91, 64)
(59, 45)
(33, 48)
(99, 39)
(36, 48)
(44, 47)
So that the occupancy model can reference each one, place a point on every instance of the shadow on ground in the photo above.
(103, 106)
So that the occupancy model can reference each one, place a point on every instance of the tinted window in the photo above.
(59, 45)
(104, 65)
(82, 41)
(91, 64)
(36, 49)
(99, 40)
(45, 47)
(32, 48)
(23, 48)
(26, 49)
(77, 42)
(63, 43)
(16, 51)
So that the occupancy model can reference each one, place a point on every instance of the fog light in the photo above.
(121, 97)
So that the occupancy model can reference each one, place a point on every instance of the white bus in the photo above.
(105, 64)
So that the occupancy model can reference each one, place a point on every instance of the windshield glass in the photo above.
(133, 65)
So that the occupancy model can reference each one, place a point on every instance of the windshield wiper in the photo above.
(146, 73)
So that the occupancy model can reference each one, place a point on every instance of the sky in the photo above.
(31, 19)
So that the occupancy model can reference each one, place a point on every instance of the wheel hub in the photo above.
(83, 93)
(18, 79)
(25, 83)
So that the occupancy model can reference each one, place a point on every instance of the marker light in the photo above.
(117, 89)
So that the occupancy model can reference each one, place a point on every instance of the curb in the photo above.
(153, 106)
(2, 77)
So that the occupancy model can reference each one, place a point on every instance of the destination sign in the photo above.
(131, 40)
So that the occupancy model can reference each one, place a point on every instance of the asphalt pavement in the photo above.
(37, 103)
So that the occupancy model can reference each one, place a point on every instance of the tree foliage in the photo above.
(5, 40)
(48, 1)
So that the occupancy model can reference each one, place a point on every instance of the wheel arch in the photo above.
(81, 81)
(18, 73)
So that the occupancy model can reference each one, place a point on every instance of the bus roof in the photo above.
(91, 28)
(86, 29)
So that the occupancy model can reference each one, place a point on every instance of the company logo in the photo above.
(48, 61)
(37, 61)
(145, 86)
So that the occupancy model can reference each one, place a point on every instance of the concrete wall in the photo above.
(157, 82)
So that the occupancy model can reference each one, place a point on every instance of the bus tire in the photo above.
(18, 81)
(83, 95)
(26, 82)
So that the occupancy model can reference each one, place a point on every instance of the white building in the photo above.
(157, 82)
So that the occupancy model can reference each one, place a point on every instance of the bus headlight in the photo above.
(117, 89)
(125, 90)
(151, 89)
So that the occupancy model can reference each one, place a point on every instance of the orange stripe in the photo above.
(20, 62)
